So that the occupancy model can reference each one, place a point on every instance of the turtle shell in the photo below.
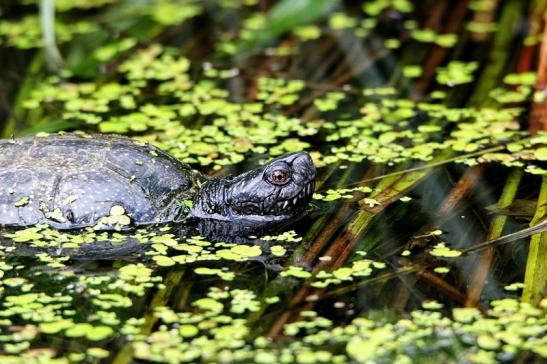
(69, 181)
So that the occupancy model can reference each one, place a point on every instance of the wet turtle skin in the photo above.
(70, 181)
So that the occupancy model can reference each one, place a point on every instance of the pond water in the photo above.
(424, 119)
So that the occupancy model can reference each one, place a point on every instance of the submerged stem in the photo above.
(536, 263)
(54, 60)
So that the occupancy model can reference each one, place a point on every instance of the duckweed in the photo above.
(210, 115)
(441, 250)
(256, 126)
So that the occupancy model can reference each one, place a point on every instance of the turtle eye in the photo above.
(279, 176)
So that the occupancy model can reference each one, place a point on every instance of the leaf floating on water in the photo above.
(117, 210)
(456, 73)
(307, 32)
(288, 236)
(296, 272)
(163, 261)
(98, 353)
(339, 21)
(22, 201)
(525, 78)
(271, 300)
(432, 305)
(412, 71)
(441, 250)
(541, 153)
(465, 314)
(226, 276)
(56, 215)
(135, 272)
(488, 342)
(278, 250)
(25, 235)
(441, 270)
(247, 251)
(514, 286)
(208, 304)
(446, 40)
(98, 333)
(188, 330)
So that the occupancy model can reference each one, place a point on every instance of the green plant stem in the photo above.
(498, 56)
(536, 264)
(15, 122)
(482, 267)
(47, 22)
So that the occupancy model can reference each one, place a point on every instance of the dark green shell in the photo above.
(70, 181)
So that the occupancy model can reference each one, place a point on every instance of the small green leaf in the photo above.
(22, 201)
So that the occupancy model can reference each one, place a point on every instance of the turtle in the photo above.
(71, 180)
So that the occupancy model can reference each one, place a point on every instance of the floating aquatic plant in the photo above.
(215, 112)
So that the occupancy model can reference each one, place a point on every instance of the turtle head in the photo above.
(278, 191)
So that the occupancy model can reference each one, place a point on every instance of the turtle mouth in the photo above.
(295, 203)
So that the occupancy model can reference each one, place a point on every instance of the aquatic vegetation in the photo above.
(42, 236)
(217, 330)
(441, 250)
(456, 73)
(415, 124)
(25, 33)
(65, 5)
(443, 40)
(239, 128)
(374, 8)
(362, 340)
